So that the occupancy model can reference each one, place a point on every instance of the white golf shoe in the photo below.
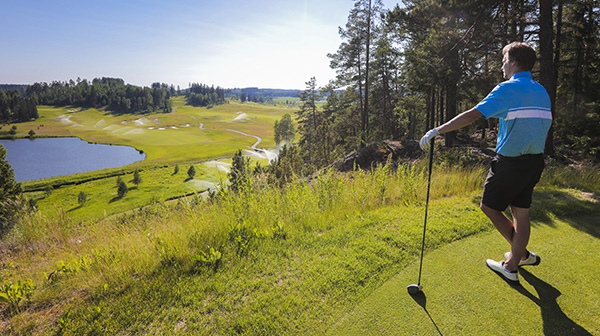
(531, 260)
(512, 277)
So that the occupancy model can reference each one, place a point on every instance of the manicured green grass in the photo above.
(461, 296)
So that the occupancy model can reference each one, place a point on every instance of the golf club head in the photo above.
(414, 289)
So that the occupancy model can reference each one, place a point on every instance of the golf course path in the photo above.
(461, 296)
(258, 139)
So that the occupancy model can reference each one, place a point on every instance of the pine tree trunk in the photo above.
(546, 52)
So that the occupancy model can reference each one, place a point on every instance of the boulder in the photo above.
(378, 153)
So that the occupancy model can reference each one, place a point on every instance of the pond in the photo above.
(50, 157)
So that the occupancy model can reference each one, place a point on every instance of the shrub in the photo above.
(14, 293)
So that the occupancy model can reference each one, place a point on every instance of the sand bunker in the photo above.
(100, 123)
(141, 121)
(111, 128)
(64, 119)
(241, 117)
(134, 131)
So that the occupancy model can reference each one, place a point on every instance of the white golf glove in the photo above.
(426, 139)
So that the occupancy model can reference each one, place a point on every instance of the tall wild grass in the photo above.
(70, 261)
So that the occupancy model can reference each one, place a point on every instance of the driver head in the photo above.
(414, 289)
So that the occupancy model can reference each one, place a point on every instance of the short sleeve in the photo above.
(495, 105)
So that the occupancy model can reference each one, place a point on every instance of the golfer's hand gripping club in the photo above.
(426, 139)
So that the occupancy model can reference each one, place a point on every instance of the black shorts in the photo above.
(511, 181)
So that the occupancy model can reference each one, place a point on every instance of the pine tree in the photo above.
(239, 175)
(10, 191)
(353, 59)
(191, 172)
(284, 129)
(308, 118)
(122, 189)
(81, 198)
(137, 179)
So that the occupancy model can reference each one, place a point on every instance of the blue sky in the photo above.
(229, 43)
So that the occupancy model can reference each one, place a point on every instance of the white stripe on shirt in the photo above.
(529, 112)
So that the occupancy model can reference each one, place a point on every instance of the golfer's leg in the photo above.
(522, 230)
(500, 221)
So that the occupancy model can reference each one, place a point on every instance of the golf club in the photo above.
(414, 289)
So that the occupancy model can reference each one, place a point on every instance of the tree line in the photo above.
(418, 65)
(204, 95)
(16, 108)
(112, 93)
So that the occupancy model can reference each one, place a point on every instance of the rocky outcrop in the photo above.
(378, 153)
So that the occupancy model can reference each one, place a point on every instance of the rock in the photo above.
(378, 153)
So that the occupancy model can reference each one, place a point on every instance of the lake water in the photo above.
(50, 157)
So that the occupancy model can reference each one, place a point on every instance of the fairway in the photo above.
(188, 134)
(204, 137)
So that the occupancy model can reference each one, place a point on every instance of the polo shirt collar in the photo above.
(522, 74)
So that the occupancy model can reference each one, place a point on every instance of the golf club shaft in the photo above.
(426, 207)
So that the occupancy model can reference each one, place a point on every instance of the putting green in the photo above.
(461, 296)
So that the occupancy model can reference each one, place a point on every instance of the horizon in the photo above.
(209, 84)
(230, 44)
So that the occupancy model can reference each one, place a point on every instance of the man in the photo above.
(523, 108)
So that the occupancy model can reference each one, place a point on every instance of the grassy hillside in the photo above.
(265, 261)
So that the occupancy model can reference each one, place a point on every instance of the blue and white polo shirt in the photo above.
(523, 107)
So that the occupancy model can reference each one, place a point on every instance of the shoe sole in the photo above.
(509, 281)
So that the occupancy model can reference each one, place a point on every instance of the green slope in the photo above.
(461, 296)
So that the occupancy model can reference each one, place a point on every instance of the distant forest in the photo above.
(204, 95)
(15, 107)
(18, 102)
(110, 92)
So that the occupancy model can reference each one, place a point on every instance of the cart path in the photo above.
(258, 139)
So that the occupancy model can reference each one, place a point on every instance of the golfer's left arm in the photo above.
(460, 121)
